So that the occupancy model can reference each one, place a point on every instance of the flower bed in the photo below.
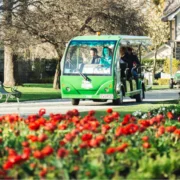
(142, 145)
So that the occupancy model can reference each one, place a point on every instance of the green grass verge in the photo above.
(159, 87)
(130, 108)
(36, 92)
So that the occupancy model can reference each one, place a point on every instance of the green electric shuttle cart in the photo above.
(82, 79)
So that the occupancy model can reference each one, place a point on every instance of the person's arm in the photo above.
(137, 60)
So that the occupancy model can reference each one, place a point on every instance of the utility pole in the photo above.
(171, 57)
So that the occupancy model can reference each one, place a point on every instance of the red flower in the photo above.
(86, 137)
(75, 112)
(43, 172)
(34, 126)
(62, 152)
(105, 128)
(2, 173)
(170, 129)
(25, 144)
(62, 126)
(170, 115)
(177, 132)
(100, 138)
(33, 138)
(146, 145)
(108, 119)
(74, 132)
(109, 110)
(145, 138)
(48, 150)
(144, 123)
(94, 143)
(8, 165)
(38, 154)
(62, 143)
(122, 147)
(75, 119)
(15, 159)
(50, 126)
(115, 115)
(11, 151)
(41, 121)
(159, 117)
(111, 150)
(76, 168)
(84, 144)
(76, 151)
(161, 130)
(26, 153)
(119, 131)
(42, 137)
(91, 113)
(42, 111)
(126, 119)
(33, 165)
(69, 137)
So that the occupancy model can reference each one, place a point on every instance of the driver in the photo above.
(94, 55)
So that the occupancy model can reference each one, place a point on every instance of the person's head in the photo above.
(106, 52)
(93, 52)
(130, 50)
(122, 51)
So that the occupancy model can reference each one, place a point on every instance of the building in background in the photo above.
(171, 14)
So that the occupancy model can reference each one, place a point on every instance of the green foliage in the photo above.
(149, 63)
(162, 81)
(175, 64)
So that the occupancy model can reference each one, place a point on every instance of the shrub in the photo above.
(149, 63)
(175, 64)
(163, 81)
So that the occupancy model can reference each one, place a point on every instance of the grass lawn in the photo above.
(159, 87)
(130, 108)
(45, 91)
(36, 92)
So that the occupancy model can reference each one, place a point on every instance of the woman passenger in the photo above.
(106, 57)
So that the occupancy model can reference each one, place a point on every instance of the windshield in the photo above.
(89, 57)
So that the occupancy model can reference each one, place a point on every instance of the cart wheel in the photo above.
(118, 101)
(139, 97)
(75, 101)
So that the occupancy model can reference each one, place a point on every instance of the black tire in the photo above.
(139, 97)
(75, 102)
(118, 101)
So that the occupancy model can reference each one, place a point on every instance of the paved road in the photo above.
(62, 106)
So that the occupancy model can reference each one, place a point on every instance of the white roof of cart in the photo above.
(124, 39)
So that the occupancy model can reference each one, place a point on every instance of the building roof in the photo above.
(164, 47)
(172, 8)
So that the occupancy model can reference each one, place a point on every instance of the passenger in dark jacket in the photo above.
(133, 62)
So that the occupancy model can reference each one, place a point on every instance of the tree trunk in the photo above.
(154, 64)
(56, 83)
(9, 79)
